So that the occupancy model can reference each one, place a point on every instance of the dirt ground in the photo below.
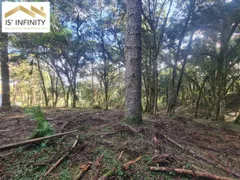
(175, 142)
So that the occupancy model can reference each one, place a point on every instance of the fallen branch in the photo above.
(63, 126)
(134, 130)
(98, 160)
(62, 158)
(163, 159)
(5, 130)
(120, 156)
(31, 141)
(108, 174)
(198, 156)
(189, 172)
(84, 168)
(126, 166)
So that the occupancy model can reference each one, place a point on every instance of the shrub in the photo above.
(237, 120)
(97, 106)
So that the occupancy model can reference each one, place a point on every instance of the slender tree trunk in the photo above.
(201, 92)
(92, 100)
(74, 93)
(174, 88)
(153, 85)
(67, 97)
(5, 71)
(43, 87)
(63, 88)
(56, 92)
(52, 86)
(133, 107)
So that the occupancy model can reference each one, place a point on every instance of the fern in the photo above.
(43, 126)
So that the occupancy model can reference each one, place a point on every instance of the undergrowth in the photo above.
(43, 128)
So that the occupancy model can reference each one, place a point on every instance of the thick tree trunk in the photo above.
(5, 71)
(133, 107)
(226, 33)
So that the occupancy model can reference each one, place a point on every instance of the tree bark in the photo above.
(133, 107)
(5, 71)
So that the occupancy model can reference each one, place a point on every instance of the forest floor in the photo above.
(106, 144)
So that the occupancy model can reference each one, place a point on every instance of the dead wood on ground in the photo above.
(31, 141)
(61, 159)
(189, 172)
(194, 154)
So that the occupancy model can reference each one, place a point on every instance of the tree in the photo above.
(156, 16)
(5, 70)
(133, 107)
(175, 83)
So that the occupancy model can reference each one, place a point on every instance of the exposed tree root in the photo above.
(189, 172)
(135, 131)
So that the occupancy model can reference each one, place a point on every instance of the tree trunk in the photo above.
(133, 107)
(92, 100)
(5, 71)
(201, 92)
(226, 33)
(43, 87)
(67, 97)
(56, 92)
(174, 88)
(74, 96)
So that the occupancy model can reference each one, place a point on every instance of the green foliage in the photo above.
(43, 126)
(97, 106)
(237, 120)
(65, 174)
